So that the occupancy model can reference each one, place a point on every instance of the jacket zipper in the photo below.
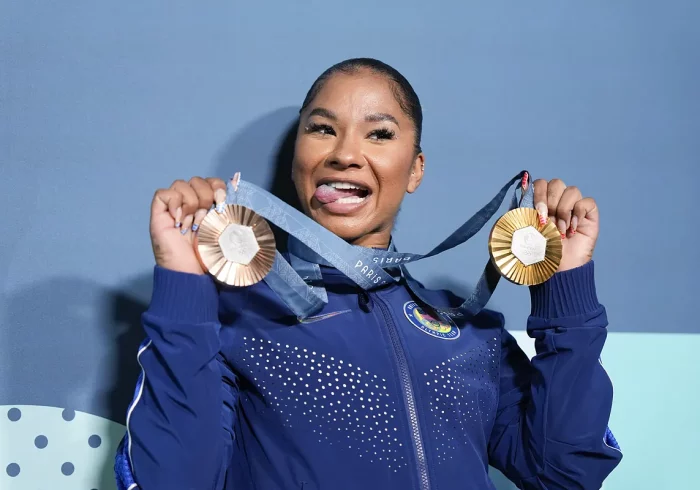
(408, 396)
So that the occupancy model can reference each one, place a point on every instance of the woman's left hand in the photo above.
(576, 218)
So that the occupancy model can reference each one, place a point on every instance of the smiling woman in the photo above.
(358, 150)
(378, 390)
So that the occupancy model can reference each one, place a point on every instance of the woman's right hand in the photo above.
(176, 213)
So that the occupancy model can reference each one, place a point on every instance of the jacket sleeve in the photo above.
(551, 428)
(180, 423)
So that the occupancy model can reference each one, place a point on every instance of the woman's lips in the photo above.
(345, 205)
(341, 197)
(345, 192)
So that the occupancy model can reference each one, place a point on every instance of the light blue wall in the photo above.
(103, 102)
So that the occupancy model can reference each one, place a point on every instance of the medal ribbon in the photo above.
(299, 284)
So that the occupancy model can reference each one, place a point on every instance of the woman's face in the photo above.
(355, 158)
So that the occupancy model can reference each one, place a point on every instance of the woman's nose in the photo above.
(346, 154)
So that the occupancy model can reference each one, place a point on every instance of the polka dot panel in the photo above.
(463, 396)
(57, 448)
(338, 401)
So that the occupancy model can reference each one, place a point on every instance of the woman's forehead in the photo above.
(358, 94)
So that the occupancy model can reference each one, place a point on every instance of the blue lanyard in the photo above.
(299, 284)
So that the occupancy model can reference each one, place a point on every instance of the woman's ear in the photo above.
(416, 173)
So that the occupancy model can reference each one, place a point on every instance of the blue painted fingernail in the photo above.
(195, 227)
(220, 200)
(184, 231)
(178, 224)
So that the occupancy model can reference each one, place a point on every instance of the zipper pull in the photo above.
(365, 301)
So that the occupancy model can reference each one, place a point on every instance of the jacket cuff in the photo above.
(567, 293)
(183, 297)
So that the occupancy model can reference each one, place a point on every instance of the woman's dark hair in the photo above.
(403, 91)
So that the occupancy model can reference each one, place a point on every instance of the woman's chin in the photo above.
(347, 228)
(353, 222)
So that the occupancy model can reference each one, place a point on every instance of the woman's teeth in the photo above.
(343, 185)
(351, 199)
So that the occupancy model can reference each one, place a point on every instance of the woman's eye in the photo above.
(382, 134)
(320, 129)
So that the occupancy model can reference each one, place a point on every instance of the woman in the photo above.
(374, 392)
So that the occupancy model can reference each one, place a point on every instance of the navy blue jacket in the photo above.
(374, 393)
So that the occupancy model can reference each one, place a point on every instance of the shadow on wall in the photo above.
(75, 340)
(264, 151)
(81, 339)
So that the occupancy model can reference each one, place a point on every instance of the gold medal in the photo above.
(524, 251)
(236, 246)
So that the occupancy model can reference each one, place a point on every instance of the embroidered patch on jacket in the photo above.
(325, 316)
(443, 328)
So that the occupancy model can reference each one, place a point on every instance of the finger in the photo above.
(168, 200)
(555, 189)
(187, 223)
(190, 201)
(198, 218)
(565, 207)
(219, 187)
(585, 208)
(540, 199)
(216, 183)
(204, 191)
(220, 200)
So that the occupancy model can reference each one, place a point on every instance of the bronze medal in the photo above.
(236, 246)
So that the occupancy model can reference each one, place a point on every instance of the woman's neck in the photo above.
(378, 239)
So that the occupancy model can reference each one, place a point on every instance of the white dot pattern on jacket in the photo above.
(464, 396)
(343, 403)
